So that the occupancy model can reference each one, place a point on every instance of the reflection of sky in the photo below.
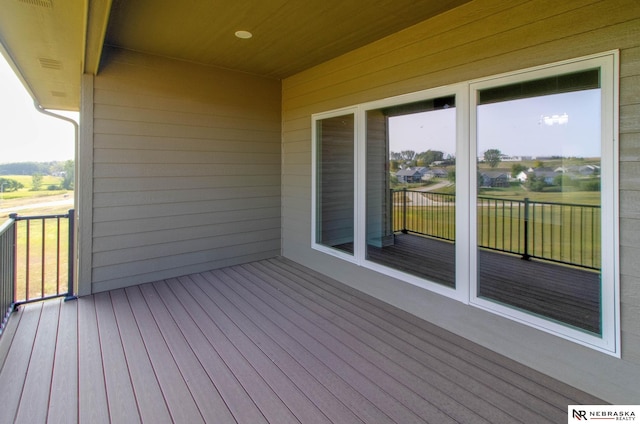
(516, 128)
(435, 130)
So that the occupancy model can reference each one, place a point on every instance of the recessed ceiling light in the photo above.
(243, 34)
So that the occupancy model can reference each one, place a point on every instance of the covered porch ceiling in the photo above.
(50, 43)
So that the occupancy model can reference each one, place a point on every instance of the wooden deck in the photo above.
(563, 293)
(266, 342)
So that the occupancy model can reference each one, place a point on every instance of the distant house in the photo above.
(588, 170)
(494, 179)
(547, 175)
(411, 174)
(522, 176)
(435, 173)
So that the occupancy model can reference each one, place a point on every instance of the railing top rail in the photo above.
(537, 202)
(28, 217)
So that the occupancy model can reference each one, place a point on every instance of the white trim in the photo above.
(84, 189)
(314, 182)
(460, 292)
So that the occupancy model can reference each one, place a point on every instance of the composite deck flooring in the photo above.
(560, 292)
(266, 342)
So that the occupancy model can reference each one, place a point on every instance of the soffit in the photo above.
(43, 41)
(288, 35)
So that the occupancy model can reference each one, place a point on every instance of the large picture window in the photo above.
(500, 193)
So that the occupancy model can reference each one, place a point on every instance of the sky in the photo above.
(27, 135)
(564, 125)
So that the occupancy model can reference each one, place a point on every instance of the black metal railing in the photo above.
(7, 270)
(36, 259)
(559, 232)
(426, 213)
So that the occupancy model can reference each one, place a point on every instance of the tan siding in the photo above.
(186, 169)
(481, 38)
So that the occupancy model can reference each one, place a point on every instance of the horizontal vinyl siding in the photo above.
(186, 169)
(478, 39)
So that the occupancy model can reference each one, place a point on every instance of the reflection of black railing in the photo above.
(559, 232)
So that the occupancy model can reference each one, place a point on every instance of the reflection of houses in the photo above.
(435, 173)
(494, 179)
(588, 169)
(547, 175)
(411, 174)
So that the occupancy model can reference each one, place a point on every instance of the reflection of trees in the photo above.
(493, 157)
(411, 158)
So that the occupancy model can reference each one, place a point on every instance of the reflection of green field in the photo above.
(568, 234)
(46, 266)
(574, 197)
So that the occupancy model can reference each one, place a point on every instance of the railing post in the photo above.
(525, 253)
(404, 210)
(71, 263)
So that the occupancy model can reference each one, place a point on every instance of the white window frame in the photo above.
(314, 183)
(466, 146)
(608, 64)
(460, 91)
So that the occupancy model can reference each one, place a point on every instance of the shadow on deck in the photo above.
(563, 293)
(269, 341)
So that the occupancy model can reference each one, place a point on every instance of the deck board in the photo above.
(92, 395)
(261, 316)
(120, 392)
(63, 402)
(269, 341)
(38, 379)
(453, 379)
(14, 371)
(179, 398)
(149, 397)
(211, 402)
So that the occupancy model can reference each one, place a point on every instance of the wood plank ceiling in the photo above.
(288, 35)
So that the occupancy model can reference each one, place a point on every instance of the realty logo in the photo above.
(580, 414)
(599, 413)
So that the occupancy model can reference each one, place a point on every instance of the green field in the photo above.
(27, 182)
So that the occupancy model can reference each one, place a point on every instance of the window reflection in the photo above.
(538, 174)
(411, 188)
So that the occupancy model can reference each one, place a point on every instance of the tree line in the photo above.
(31, 168)
(62, 169)
(410, 158)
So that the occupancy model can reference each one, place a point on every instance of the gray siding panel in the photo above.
(478, 39)
(186, 172)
